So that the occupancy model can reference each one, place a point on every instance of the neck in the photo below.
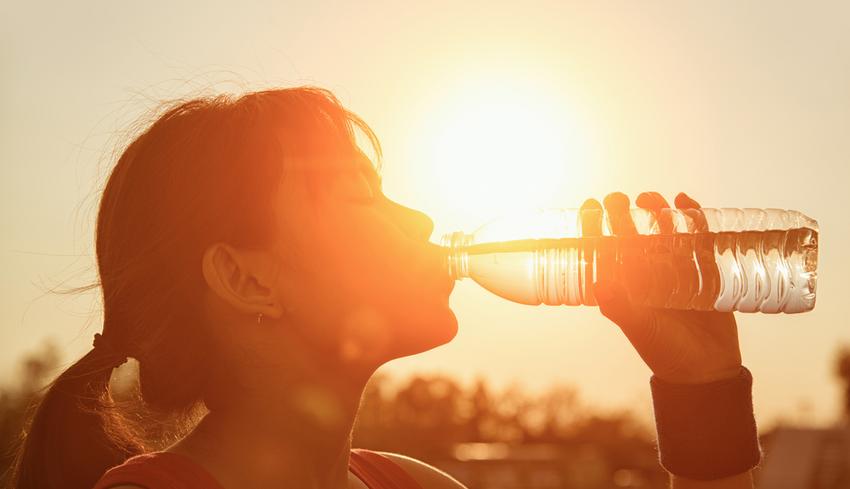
(298, 435)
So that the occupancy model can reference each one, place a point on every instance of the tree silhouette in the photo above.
(480, 411)
(842, 369)
(35, 371)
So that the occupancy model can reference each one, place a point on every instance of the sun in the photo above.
(495, 146)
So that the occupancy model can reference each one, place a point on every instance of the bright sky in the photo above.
(481, 108)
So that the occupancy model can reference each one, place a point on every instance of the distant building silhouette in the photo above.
(547, 466)
(806, 458)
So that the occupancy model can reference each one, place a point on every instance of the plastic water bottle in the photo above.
(748, 260)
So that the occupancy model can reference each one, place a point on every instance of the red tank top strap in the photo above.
(166, 470)
(379, 472)
(159, 470)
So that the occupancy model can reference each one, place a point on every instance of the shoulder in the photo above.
(164, 470)
(428, 476)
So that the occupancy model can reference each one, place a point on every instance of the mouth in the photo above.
(435, 271)
(443, 284)
(446, 280)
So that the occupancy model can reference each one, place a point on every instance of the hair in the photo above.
(203, 172)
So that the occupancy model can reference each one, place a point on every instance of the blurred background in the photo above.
(482, 108)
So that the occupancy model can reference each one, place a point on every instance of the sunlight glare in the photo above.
(499, 146)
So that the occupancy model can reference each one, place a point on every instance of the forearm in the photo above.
(740, 481)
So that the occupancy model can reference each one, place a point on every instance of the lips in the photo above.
(451, 285)
(433, 270)
(445, 280)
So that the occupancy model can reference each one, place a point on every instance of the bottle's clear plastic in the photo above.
(748, 260)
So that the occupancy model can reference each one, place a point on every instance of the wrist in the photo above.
(742, 480)
(706, 431)
(700, 377)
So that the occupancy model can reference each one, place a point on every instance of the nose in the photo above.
(415, 223)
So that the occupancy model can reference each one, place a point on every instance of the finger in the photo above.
(657, 253)
(655, 203)
(683, 201)
(591, 215)
(652, 201)
(703, 252)
(691, 208)
(624, 255)
(591, 218)
(619, 218)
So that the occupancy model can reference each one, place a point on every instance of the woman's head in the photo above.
(227, 208)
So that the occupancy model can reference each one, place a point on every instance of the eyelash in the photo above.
(376, 185)
(375, 182)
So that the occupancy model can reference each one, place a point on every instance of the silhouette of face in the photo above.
(360, 278)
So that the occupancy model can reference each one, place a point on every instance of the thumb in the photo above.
(613, 301)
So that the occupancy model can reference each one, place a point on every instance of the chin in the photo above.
(428, 331)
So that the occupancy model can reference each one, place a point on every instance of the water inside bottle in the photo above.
(767, 271)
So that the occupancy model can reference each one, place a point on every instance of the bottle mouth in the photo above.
(457, 257)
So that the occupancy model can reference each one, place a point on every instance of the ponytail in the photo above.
(73, 435)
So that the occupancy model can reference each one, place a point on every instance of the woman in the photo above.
(251, 264)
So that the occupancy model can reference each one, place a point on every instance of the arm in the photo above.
(687, 349)
(740, 481)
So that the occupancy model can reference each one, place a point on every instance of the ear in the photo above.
(243, 279)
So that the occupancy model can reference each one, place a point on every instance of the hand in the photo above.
(680, 346)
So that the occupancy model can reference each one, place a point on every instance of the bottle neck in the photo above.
(457, 258)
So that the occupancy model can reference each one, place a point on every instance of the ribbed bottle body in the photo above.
(748, 260)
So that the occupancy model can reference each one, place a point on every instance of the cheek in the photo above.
(338, 292)
(364, 253)
(366, 285)
(379, 265)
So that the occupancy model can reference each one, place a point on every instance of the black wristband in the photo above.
(706, 431)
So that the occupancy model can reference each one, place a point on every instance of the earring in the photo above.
(259, 318)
